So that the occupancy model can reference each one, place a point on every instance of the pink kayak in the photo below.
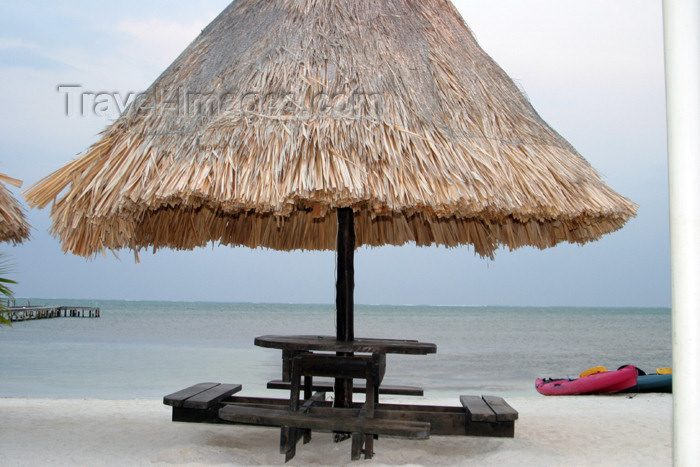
(598, 383)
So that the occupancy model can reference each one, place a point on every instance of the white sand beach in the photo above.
(574, 431)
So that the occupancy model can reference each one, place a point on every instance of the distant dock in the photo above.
(26, 313)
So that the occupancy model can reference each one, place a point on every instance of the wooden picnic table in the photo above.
(343, 388)
(310, 356)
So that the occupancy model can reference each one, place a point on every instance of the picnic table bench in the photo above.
(363, 422)
(358, 387)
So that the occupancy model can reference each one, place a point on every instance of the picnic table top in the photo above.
(359, 345)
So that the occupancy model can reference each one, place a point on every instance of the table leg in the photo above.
(308, 390)
(371, 398)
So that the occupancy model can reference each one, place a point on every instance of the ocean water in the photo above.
(149, 349)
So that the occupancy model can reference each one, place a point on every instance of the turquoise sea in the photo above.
(149, 349)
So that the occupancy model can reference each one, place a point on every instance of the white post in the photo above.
(682, 50)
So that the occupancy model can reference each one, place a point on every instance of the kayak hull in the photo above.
(599, 383)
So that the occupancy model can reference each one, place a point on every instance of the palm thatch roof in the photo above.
(13, 223)
(283, 111)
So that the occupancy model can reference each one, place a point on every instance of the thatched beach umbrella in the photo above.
(287, 118)
(13, 223)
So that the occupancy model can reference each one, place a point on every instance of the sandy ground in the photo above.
(568, 431)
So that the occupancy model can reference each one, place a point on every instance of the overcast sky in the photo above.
(593, 69)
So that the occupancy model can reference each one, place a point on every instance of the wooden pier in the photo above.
(25, 313)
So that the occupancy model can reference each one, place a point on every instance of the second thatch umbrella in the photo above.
(13, 223)
(285, 117)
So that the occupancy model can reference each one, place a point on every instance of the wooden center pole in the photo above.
(344, 291)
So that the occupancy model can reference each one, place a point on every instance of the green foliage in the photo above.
(5, 290)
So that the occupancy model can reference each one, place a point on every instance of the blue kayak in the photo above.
(652, 383)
